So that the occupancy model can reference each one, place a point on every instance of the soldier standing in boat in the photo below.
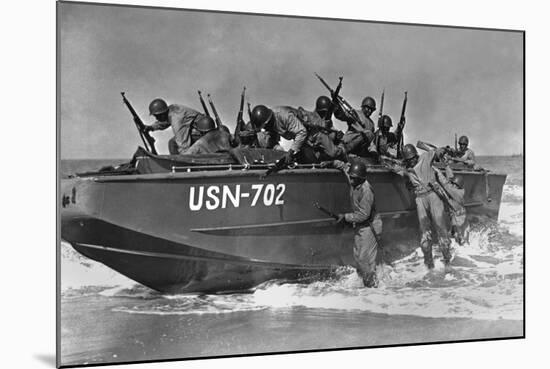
(430, 207)
(367, 224)
(179, 117)
(384, 140)
(464, 154)
(359, 135)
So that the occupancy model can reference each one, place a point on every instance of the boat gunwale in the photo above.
(235, 172)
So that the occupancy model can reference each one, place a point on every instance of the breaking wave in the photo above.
(486, 282)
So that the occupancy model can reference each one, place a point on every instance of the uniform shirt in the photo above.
(313, 121)
(362, 198)
(288, 126)
(384, 142)
(468, 156)
(422, 174)
(456, 194)
(180, 117)
(213, 141)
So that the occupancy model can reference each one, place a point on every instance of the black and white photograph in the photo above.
(240, 184)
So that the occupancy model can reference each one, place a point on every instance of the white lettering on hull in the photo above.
(214, 197)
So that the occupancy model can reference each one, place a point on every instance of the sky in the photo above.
(460, 81)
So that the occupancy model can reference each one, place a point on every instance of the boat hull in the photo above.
(227, 230)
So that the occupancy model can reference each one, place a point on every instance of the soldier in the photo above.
(366, 223)
(429, 204)
(179, 117)
(281, 121)
(454, 186)
(384, 139)
(359, 136)
(318, 124)
(464, 154)
(210, 138)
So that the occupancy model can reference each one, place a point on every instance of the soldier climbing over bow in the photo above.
(430, 205)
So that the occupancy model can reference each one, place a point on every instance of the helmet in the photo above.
(261, 114)
(158, 106)
(409, 152)
(459, 181)
(358, 169)
(386, 121)
(369, 103)
(205, 124)
(323, 103)
(463, 140)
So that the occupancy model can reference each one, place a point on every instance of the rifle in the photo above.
(402, 125)
(240, 122)
(456, 143)
(346, 108)
(336, 92)
(326, 211)
(381, 108)
(148, 141)
(218, 121)
(203, 105)
(277, 166)
(249, 110)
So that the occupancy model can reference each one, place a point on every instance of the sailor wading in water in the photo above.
(366, 223)
(179, 117)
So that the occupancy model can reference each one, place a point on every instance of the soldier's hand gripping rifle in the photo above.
(203, 105)
(240, 121)
(339, 101)
(401, 127)
(218, 120)
(148, 141)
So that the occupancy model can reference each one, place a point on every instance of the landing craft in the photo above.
(209, 223)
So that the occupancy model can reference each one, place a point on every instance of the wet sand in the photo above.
(91, 332)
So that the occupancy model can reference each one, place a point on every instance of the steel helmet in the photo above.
(158, 106)
(205, 124)
(409, 152)
(323, 103)
(368, 102)
(261, 114)
(386, 121)
(358, 169)
(459, 181)
(463, 140)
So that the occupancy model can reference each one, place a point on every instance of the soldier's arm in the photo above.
(363, 211)
(158, 126)
(298, 130)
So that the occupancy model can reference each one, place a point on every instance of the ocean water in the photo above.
(106, 317)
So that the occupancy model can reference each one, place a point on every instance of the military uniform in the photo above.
(468, 157)
(287, 125)
(457, 211)
(356, 142)
(383, 142)
(180, 118)
(430, 208)
(318, 138)
(367, 225)
(213, 141)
